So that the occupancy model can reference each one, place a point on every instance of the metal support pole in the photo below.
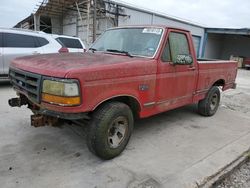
(80, 16)
(36, 18)
(94, 21)
(88, 6)
(117, 16)
(35, 24)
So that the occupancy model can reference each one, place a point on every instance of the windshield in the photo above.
(134, 41)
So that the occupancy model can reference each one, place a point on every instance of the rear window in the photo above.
(42, 41)
(1, 39)
(69, 43)
(19, 40)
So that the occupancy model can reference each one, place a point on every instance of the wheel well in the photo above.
(220, 82)
(130, 101)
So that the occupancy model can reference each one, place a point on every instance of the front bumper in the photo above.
(23, 100)
(61, 115)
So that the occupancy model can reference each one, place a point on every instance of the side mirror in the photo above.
(183, 60)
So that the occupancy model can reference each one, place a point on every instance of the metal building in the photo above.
(87, 19)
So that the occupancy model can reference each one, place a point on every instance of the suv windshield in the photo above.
(134, 41)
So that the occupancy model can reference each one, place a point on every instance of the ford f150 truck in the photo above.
(129, 72)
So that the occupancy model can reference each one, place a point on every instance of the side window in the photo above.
(69, 43)
(166, 56)
(19, 41)
(178, 45)
(1, 40)
(42, 41)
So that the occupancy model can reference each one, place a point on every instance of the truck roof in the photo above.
(148, 25)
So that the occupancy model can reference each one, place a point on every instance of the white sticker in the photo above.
(156, 31)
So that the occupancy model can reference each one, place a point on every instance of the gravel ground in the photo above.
(240, 178)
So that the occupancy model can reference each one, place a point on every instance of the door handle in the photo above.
(35, 53)
(191, 68)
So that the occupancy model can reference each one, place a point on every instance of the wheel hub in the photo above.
(117, 131)
(214, 101)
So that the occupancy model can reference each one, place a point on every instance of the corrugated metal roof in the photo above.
(242, 31)
(58, 7)
(157, 13)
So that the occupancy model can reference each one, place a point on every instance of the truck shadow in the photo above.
(181, 117)
(5, 84)
(68, 143)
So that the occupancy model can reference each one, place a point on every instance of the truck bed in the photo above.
(210, 71)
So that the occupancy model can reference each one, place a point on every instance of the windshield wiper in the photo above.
(120, 51)
(93, 50)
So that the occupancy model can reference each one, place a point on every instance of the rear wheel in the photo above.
(209, 105)
(110, 129)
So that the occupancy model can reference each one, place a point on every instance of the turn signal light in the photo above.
(60, 100)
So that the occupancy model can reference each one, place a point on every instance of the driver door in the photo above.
(176, 82)
(185, 74)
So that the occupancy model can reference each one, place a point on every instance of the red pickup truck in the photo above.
(128, 73)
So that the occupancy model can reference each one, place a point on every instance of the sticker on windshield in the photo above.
(156, 31)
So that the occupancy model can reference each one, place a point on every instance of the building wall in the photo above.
(56, 25)
(73, 26)
(86, 34)
(70, 23)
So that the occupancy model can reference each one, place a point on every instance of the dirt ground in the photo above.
(174, 149)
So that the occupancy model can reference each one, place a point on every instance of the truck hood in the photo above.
(61, 65)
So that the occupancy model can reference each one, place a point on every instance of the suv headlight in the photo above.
(61, 92)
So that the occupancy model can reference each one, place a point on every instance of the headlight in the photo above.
(61, 92)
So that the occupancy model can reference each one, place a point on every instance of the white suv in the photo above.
(17, 42)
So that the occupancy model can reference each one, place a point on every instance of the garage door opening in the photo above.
(225, 43)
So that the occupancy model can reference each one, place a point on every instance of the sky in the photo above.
(210, 13)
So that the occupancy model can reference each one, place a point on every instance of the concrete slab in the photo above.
(174, 149)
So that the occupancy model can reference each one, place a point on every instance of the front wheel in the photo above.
(209, 105)
(110, 129)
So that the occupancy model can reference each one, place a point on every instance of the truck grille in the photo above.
(26, 82)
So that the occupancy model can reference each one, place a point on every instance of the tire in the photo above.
(209, 105)
(110, 129)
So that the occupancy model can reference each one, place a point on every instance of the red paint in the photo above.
(104, 76)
